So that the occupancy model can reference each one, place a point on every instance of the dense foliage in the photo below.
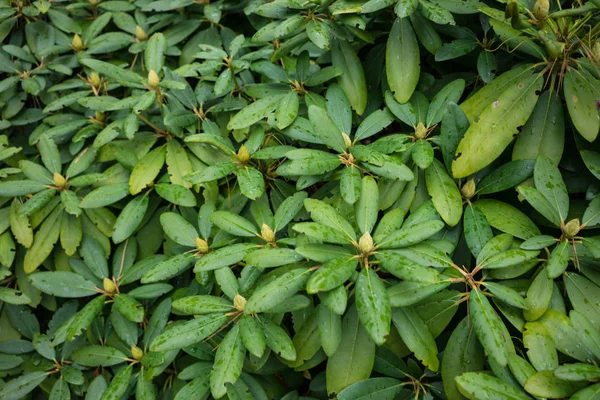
(299, 199)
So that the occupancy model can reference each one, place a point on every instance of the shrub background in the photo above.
(299, 199)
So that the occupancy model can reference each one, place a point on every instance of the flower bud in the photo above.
(140, 34)
(137, 353)
(243, 155)
(468, 189)
(541, 8)
(571, 228)
(59, 180)
(365, 243)
(267, 233)
(153, 78)
(109, 286)
(100, 116)
(201, 245)
(93, 2)
(239, 302)
(347, 140)
(77, 43)
(95, 79)
(596, 50)
(511, 9)
(420, 131)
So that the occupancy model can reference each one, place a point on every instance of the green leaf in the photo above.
(506, 176)
(129, 307)
(325, 214)
(229, 361)
(444, 194)
(354, 359)
(508, 258)
(254, 112)
(287, 109)
(422, 154)
(50, 154)
(19, 225)
(405, 268)
(373, 305)
(584, 296)
(544, 132)
(168, 268)
(253, 337)
(540, 347)
(477, 230)
(577, 372)
(288, 209)
(271, 257)
(19, 387)
(374, 389)
(408, 236)
(558, 260)
(60, 390)
(546, 384)
(581, 95)
(402, 60)
(330, 329)
(352, 80)
(62, 284)
(538, 297)
(278, 340)
(98, 356)
(123, 76)
(154, 55)
(186, 333)
(488, 326)
(233, 224)
(332, 274)
(481, 386)
(405, 8)
(119, 384)
(330, 133)
(367, 208)
(178, 229)
(130, 218)
(503, 116)
(105, 195)
(276, 291)
(562, 331)
(540, 203)
(146, 170)
(223, 257)
(463, 354)
(14, 188)
(416, 336)
(449, 94)
(251, 182)
(84, 318)
(549, 182)
(43, 241)
(350, 184)
(507, 218)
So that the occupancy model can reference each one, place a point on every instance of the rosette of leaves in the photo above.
(228, 65)
(386, 245)
(52, 202)
(295, 23)
(540, 317)
(255, 322)
(423, 116)
(242, 163)
(531, 95)
(224, 239)
(300, 86)
(334, 127)
(111, 340)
